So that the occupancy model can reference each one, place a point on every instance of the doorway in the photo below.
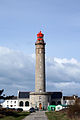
(40, 106)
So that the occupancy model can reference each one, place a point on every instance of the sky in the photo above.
(20, 21)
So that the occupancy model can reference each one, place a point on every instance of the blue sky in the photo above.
(59, 20)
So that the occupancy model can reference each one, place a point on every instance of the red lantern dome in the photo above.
(40, 36)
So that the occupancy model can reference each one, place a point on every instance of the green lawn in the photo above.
(56, 116)
(16, 116)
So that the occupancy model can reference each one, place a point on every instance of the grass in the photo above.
(60, 116)
(57, 116)
(16, 116)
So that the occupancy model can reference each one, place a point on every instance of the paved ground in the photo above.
(39, 115)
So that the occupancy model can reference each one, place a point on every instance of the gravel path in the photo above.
(39, 115)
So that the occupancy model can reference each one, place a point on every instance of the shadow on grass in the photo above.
(14, 115)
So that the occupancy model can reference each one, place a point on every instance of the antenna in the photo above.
(42, 28)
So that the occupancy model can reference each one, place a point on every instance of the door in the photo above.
(40, 106)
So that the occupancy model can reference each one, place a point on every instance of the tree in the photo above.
(4, 97)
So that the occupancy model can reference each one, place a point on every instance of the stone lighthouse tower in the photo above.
(39, 98)
(40, 64)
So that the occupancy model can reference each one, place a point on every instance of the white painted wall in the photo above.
(68, 102)
(59, 107)
(10, 103)
(15, 104)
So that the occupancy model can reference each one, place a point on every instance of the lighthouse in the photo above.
(39, 98)
(40, 85)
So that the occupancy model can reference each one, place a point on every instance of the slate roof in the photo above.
(55, 95)
(23, 94)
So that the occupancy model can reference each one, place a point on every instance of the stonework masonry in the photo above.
(40, 66)
(39, 99)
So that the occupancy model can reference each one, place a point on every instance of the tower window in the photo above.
(39, 97)
(40, 90)
(40, 60)
(40, 75)
(40, 67)
(39, 51)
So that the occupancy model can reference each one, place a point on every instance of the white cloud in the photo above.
(68, 88)
(63, 69)
(16, 69)
(64, 60)
(63, 74)
(17, 72)
(65, 85)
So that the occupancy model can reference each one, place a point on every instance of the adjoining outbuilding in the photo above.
(56, 107)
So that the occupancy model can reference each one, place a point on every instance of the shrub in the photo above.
(74, 110)
(1, 116)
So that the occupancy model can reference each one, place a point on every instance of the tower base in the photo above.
(39, 100)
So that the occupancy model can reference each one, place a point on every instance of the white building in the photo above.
(69, 100)
(10, 103)
(21, 101)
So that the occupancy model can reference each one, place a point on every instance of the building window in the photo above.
(14, 101)
(59, 103)
(11, 105)
(53, 103)
(26, 103)
(21, 103)
(65, 102)
(48, 98)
